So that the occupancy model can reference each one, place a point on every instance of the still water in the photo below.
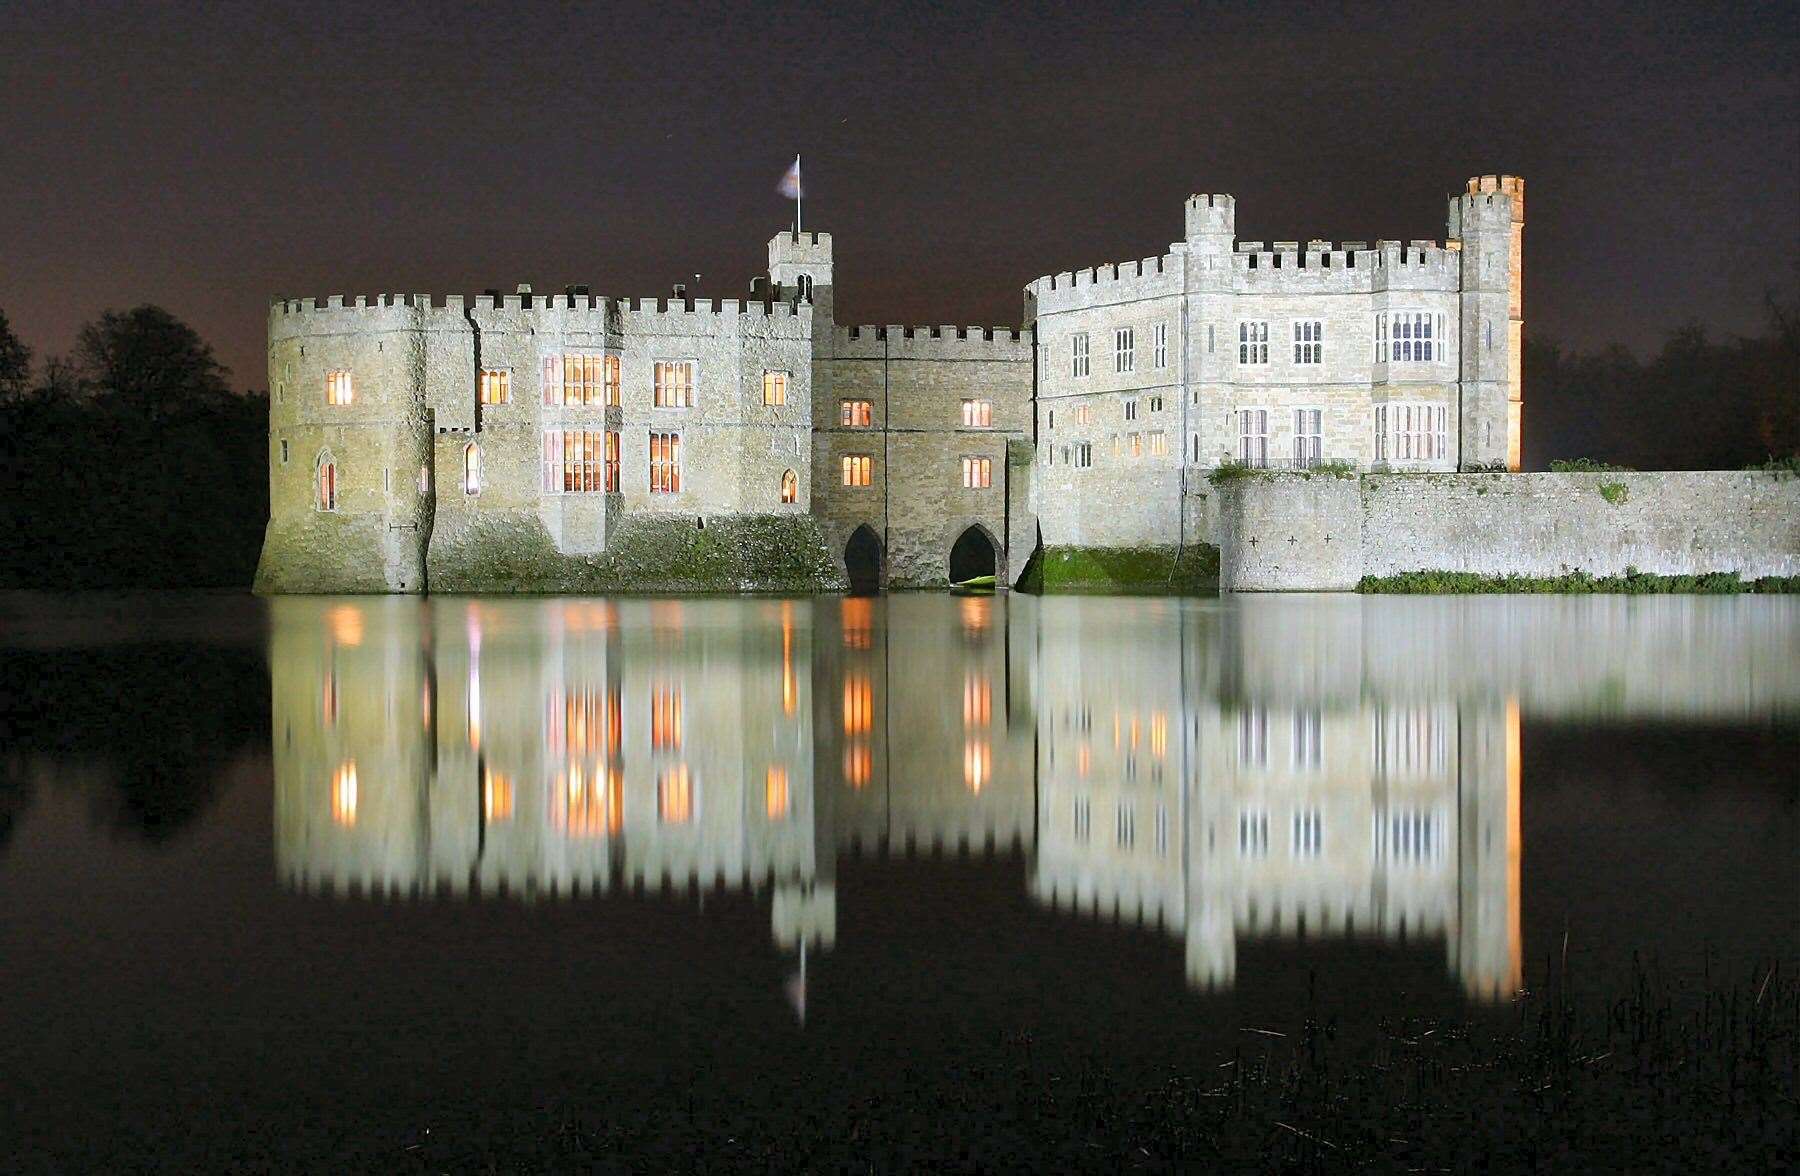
(318, 877)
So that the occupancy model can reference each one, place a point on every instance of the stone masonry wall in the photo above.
(1292, 532)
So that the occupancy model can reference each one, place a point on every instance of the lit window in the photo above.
(587, 800)
(1078, 354)
(1309, 347)
(859, 764)
(581, 462)
(977, 414)
(674, 384)
(665, 463)
(856, 414)
(977, 473)
(665, 718)
(1135, 441)
(1084, 414)
(1124, 349)
(326, 489)
(496, 798)
(859, 704)
(675, 795)
(1159, 444)
(471, 469)
(343, 794)
(338, 389)
(775, 385)
(1309, 438)
(978, 764)
(1253, 436)
(581, 379)
(858, 469)
(1253, 342)
(1159, 344)
(775, 793)
(496, 386)
(790, 486)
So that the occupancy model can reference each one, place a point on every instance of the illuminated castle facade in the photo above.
(571, 441)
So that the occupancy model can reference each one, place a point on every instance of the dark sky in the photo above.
(210, 156)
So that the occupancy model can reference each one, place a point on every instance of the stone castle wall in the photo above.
(915, 379)
(1318, 532)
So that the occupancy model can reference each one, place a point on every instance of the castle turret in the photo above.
(1489, 222)
(1211, 222)
(802, 261)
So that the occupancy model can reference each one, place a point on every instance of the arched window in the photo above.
(471, 469)
(790, 486)
(325, 487)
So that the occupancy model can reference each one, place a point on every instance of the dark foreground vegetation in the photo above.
(131, 463)
(1700, 403)
(1653, 1079)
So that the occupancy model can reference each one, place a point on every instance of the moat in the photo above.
(362, 882)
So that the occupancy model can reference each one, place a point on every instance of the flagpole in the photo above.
(797, 191)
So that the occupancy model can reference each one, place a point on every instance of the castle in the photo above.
(570, 442)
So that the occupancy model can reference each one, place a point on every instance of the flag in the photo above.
(790, 183)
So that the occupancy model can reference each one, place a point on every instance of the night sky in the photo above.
(208, 157)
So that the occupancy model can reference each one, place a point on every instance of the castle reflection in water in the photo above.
(1337, 767)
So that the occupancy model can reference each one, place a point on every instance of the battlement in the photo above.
(1354, 267)
(896, 341)
(1482, 190)
(1210, 213)
(946, 332)
(524, 304)
(800, 259)
(1095, 275)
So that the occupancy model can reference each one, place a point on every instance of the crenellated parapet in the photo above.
(1105, 285)
(948, 342)
(1354, 267)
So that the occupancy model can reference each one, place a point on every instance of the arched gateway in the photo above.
(973, 555)
(862, 561)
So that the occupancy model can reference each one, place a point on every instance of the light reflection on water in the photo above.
(1263, 769)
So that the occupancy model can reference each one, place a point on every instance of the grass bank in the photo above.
(1189, 571)
(1631, 583)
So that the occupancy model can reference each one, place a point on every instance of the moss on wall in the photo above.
(1193, 570)
(1632, 583)
(648, 554)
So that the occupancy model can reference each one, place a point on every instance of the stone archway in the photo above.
(862, 561)
(973, 554)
